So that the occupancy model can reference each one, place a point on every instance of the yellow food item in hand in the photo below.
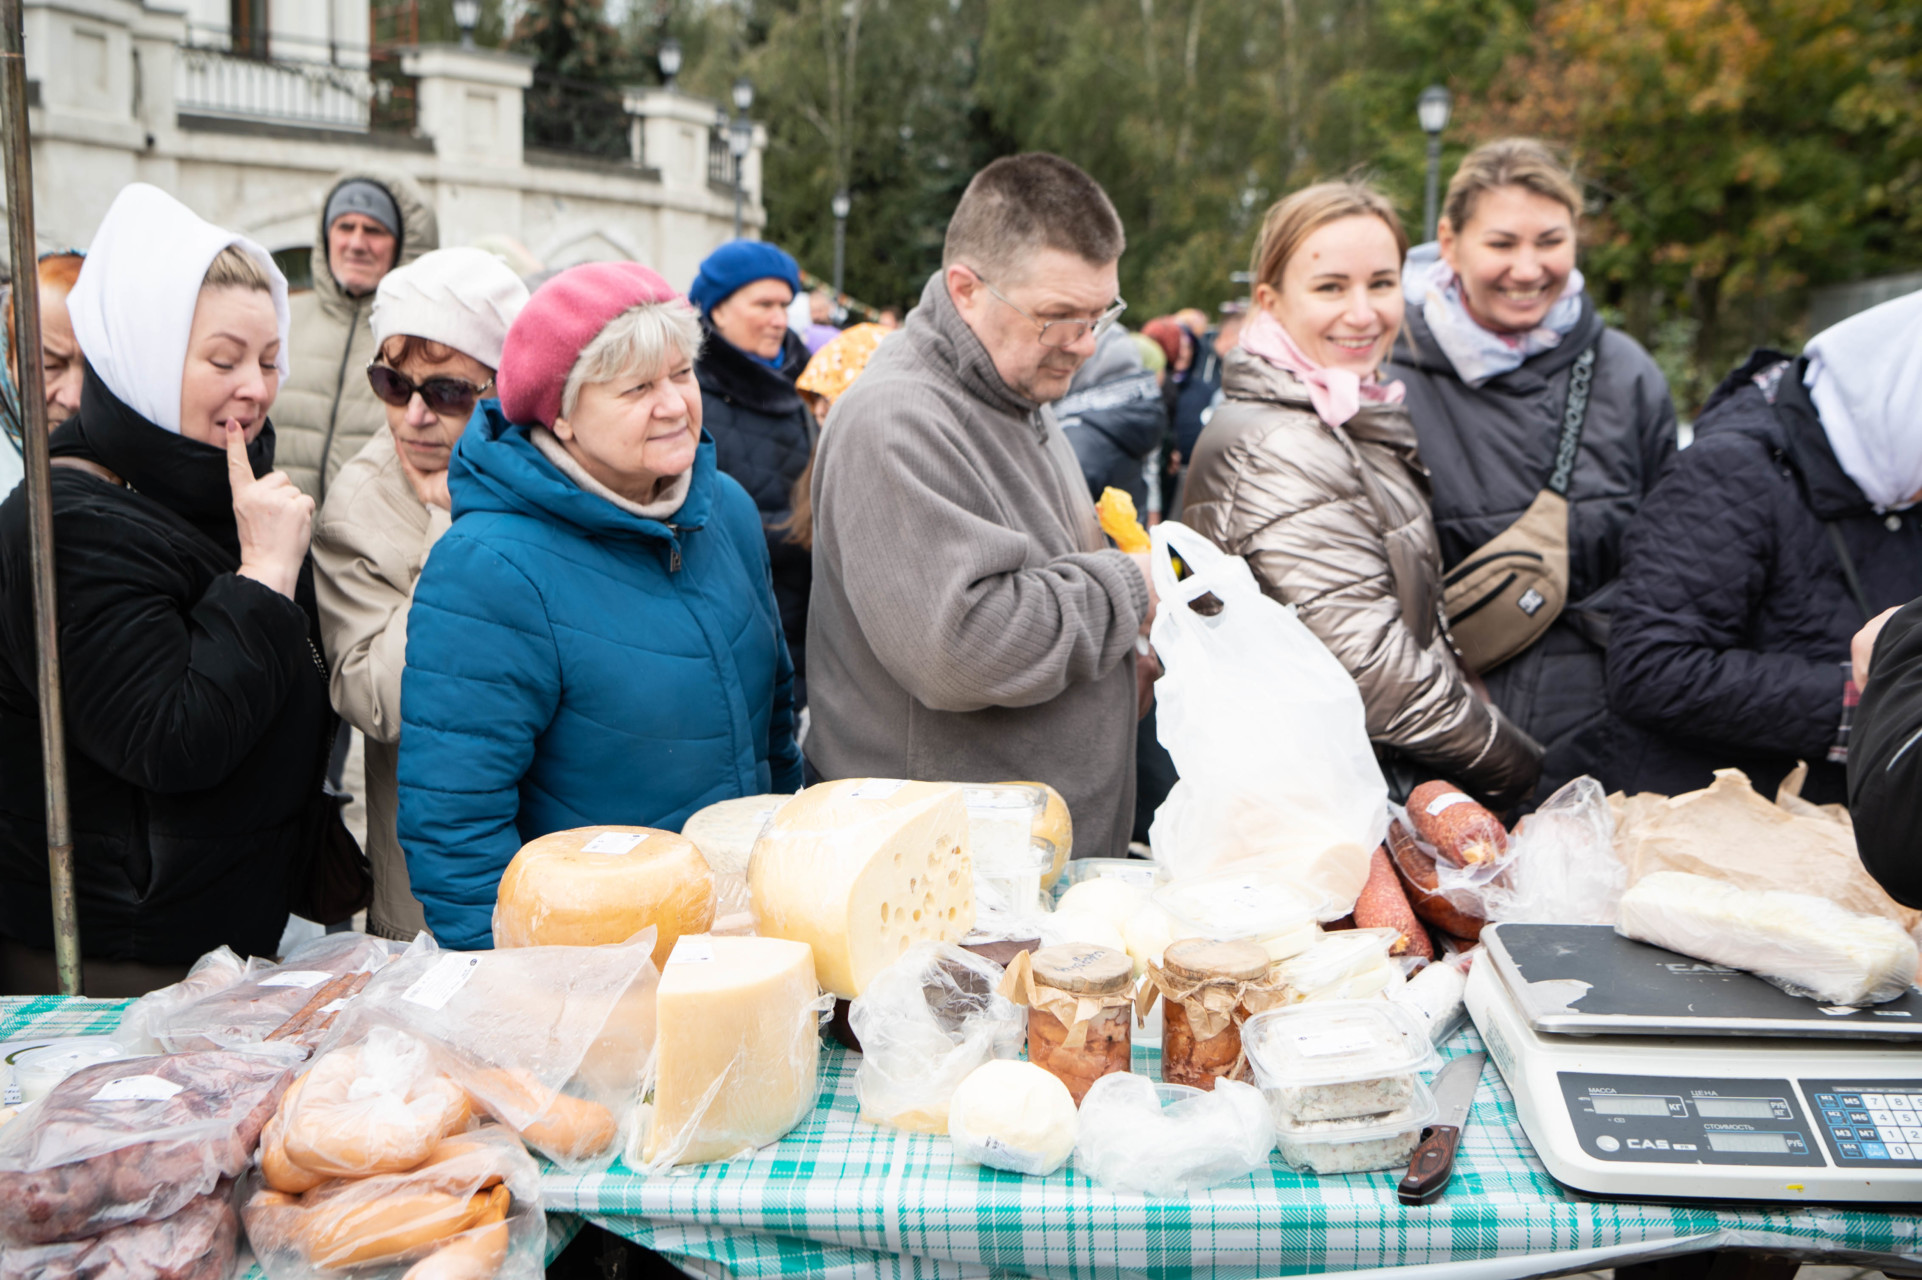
(1119, 521)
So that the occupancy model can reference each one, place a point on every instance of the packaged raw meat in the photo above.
(197, 1243)
(554, 1042)
(215, 971)
(137, 1139)
(379, 1106)
(250, 1010)
(470, 1211)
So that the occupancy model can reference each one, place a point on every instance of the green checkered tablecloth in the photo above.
(841, 1198)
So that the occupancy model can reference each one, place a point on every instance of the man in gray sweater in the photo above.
(969, 622)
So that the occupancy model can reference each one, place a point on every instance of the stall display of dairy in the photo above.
(661, 999)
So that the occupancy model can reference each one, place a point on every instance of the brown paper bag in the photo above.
(1729, 832)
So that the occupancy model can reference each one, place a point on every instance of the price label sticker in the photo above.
(1441, 804)
(614, 842)
(433, 989)
(305, 979)
(335, 1006)
(137, 1089)
(691, 950)
(1143, 876)
(1329, 1044)
(877, 788)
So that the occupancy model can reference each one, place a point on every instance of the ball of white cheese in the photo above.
(1014, 1116)
(1109, 897)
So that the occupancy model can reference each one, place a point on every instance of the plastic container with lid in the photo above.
(1336, 1059)
(1343, 966)
(37, 1070)
(1009, 863)
(1080, 1009)
(1247, 905)
(1360, 1144)
(1135, 871)
(1207, 989)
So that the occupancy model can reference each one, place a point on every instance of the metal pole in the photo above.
(1429, 212)
(840, 253)
(33, 420)
(739, 161)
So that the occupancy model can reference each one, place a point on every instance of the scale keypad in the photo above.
(1863, 1122)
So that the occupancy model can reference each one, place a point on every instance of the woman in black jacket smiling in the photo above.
(1791, 521)
(763, 433)
(196, 705)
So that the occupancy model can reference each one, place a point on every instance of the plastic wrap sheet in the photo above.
(554, 1042)
(1806, 945)
(248, 1011)
(1266, 727)
(379, 1106)
(1130, 1141)
(925, 1023)
(135, 1139)
(215, 971)
(197, 1243)
(471, 1211)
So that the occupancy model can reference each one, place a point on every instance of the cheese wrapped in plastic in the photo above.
(1806, 945)
(737, 1061)
(550, 1041)
(471, 1210)
(1013, 1116)
(725, 832)
(925, 1022)
(861, 870)
(596, 885)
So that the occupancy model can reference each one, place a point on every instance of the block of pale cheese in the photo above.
(725, 832)
(861, 870)
(596, 885)
(1055, 825)
(737, 1053)
(1014, 1116)
(1807, 945)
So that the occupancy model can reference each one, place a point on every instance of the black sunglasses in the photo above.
(440, 395)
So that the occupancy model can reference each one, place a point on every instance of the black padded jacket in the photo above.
(1885, 760)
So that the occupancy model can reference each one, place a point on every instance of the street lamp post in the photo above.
(467, 17)
(1432, 110)
(670, 60)
(840, 205)
(740, 138)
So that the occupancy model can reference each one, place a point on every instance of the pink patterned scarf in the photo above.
(1337, 394)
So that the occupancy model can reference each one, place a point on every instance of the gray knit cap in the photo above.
(362, 196)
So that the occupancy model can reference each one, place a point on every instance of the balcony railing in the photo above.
(721, 164)
(322, 84)
(576, 116)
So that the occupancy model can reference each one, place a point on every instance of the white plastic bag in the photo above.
(1266, 727)
(1559, 867)
(215, 971)
(1130, 1141)
(925, 1022)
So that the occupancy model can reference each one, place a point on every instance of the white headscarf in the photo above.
(134, 304)
(1865, 376)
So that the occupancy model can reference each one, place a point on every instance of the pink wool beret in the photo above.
(558, 322)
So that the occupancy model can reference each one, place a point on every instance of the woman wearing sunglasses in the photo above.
(439, 323)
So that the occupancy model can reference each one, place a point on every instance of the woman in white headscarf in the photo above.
(1765, 546)
(196, 701)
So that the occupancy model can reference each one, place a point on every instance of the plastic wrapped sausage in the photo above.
(252, 1009)
(1383, 905)
(1462, 831)
(1417, 871)
(133, 1140)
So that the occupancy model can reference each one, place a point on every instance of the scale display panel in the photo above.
(1676, 1120)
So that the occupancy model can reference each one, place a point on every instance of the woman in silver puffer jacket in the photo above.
(1308, 470)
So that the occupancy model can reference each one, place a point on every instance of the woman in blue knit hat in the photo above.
(763, 432)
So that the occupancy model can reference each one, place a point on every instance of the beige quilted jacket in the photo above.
(1272, 483)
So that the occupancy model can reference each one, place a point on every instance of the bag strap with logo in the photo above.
(1508, 591)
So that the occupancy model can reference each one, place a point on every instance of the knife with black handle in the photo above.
(1433, 1163)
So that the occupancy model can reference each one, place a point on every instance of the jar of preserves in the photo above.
(1208, 989)
(1080, 1002)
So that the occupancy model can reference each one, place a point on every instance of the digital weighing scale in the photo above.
(1642, 1074)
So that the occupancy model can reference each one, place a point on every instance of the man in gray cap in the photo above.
(370, 223)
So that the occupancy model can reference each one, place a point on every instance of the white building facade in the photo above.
(244, 109)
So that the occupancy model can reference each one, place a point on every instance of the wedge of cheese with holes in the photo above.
(725, 832)
(861, 870)
(738, 1047)
(596, 885)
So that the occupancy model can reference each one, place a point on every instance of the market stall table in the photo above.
(851, 1199)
